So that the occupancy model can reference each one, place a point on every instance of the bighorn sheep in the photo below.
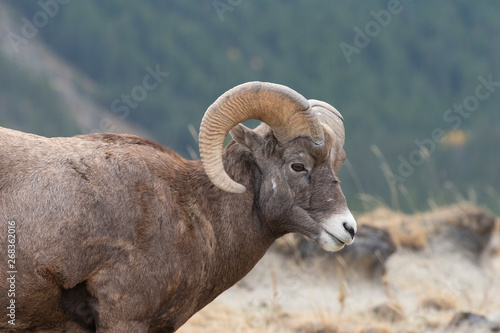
(116, 233)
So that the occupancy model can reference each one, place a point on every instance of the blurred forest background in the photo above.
(398, 71)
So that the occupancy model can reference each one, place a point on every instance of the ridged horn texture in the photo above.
(329, 116)
(287, 112)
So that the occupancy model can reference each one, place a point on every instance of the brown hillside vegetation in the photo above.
(432, 272)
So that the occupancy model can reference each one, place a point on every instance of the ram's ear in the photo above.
(246, 137)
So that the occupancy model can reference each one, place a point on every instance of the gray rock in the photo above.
(366, 257)
(472, 321)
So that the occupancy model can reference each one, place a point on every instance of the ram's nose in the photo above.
(349, 225)
(350, 229)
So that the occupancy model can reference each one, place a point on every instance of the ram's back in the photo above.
(82, 202)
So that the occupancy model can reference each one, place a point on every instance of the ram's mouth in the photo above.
(330, 242)
(335, 238)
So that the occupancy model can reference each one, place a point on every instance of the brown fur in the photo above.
(116, 233)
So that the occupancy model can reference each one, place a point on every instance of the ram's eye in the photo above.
(298, 167)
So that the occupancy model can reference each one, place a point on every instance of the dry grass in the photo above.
(405, 230)
(494, 246)
(220, 318)
(227, 320)
(389, 312)
(440, 302)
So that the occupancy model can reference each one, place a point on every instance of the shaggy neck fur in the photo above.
(235, 237)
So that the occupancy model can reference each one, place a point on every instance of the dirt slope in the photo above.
(421, 290)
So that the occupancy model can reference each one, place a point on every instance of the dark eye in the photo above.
(298, 167)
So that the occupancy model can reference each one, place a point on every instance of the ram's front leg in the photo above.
(115, 315)
(124, 327)
(119, 306)
(73, 328)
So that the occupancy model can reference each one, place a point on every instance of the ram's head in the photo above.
(298, 150)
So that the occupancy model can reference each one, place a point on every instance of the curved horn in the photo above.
(329, 116)
(287, 112)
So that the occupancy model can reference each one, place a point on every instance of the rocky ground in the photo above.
(431, 272)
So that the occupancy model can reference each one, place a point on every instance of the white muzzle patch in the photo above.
(337, 231)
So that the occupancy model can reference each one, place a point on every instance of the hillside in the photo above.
(408, 83)
(41, 93)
